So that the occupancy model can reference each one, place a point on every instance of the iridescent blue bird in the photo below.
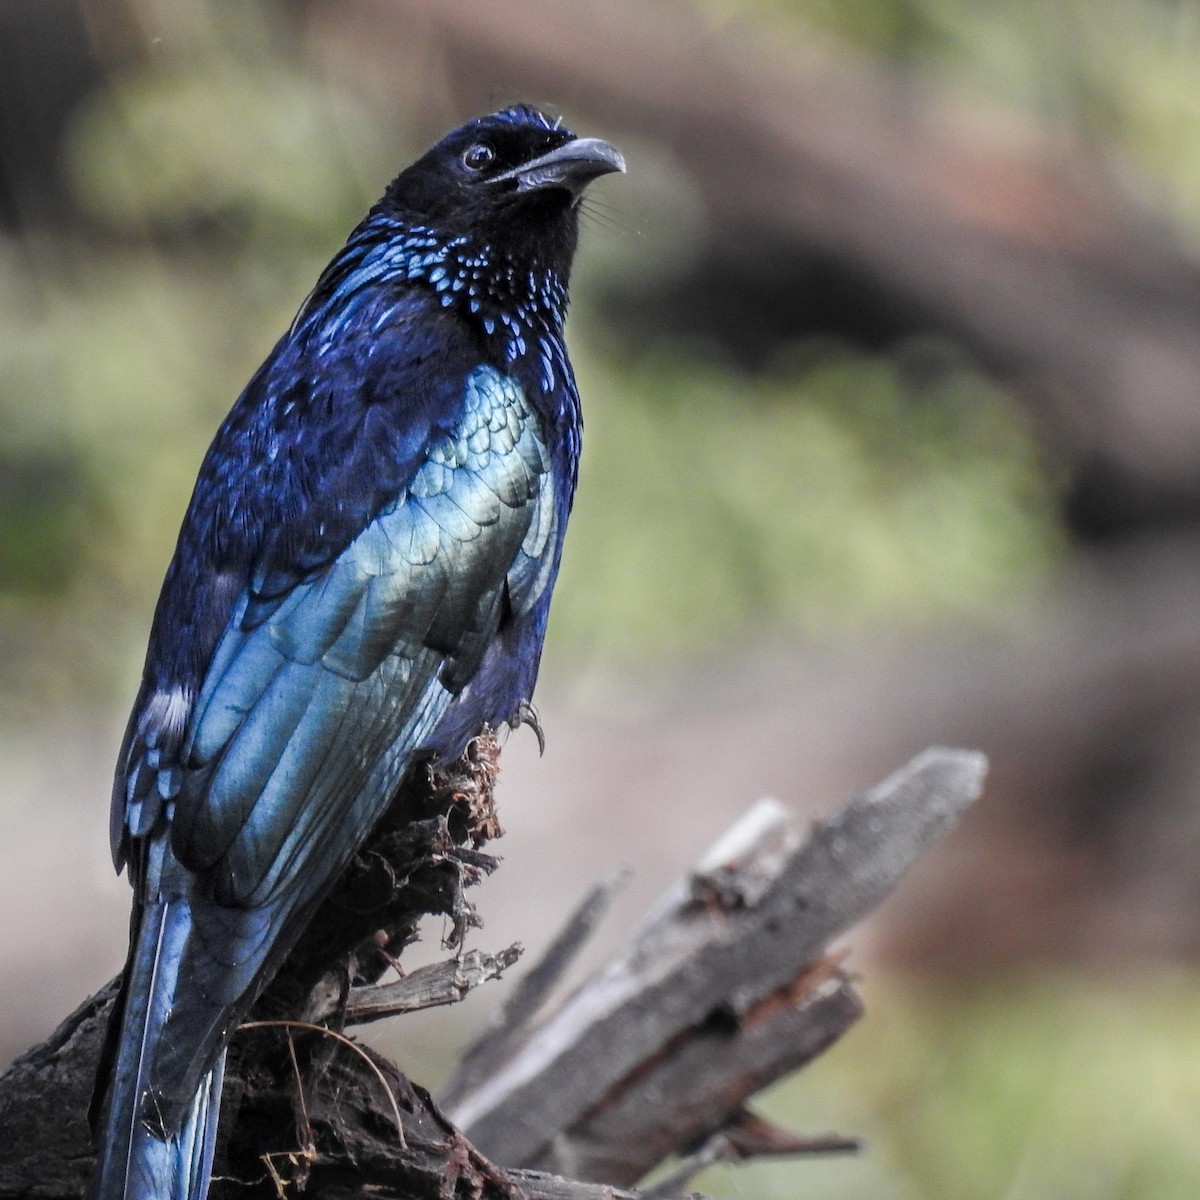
(362, 580)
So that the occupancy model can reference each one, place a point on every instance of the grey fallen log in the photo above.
(758, 910)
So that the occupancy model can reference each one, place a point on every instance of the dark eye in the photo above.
(478, 156)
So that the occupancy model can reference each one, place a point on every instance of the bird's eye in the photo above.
(478, 156)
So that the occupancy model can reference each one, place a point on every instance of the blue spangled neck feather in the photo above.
(519, 309)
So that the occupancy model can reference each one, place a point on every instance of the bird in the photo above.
(361, 583)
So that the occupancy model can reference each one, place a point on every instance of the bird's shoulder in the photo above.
(331, 429)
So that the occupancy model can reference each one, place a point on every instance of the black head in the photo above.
(512, 179)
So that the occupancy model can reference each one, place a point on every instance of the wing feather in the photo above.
(350, 673)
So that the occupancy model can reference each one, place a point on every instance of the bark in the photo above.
(725, 988)
(728, 986)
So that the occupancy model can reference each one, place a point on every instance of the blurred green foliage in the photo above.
(838, 491)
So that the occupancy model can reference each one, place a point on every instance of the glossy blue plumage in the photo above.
(362, 580)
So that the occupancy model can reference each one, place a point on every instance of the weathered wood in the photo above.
(701, 1081)
(45, 1144)
(729, 970)
(426, 987)
(538, 1185)
(419, 861)
(745, 1136)
(732, 942)
(513, 1018)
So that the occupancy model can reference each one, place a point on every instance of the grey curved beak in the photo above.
(572, 165)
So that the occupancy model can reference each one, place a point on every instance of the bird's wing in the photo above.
(309, 711)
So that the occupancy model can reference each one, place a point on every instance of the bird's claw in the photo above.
(528, 715)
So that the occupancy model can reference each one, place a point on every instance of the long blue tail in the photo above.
(139, 1159)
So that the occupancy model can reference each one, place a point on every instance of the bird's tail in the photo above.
(139, 1155)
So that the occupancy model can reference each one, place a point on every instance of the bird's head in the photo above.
(512, 179)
